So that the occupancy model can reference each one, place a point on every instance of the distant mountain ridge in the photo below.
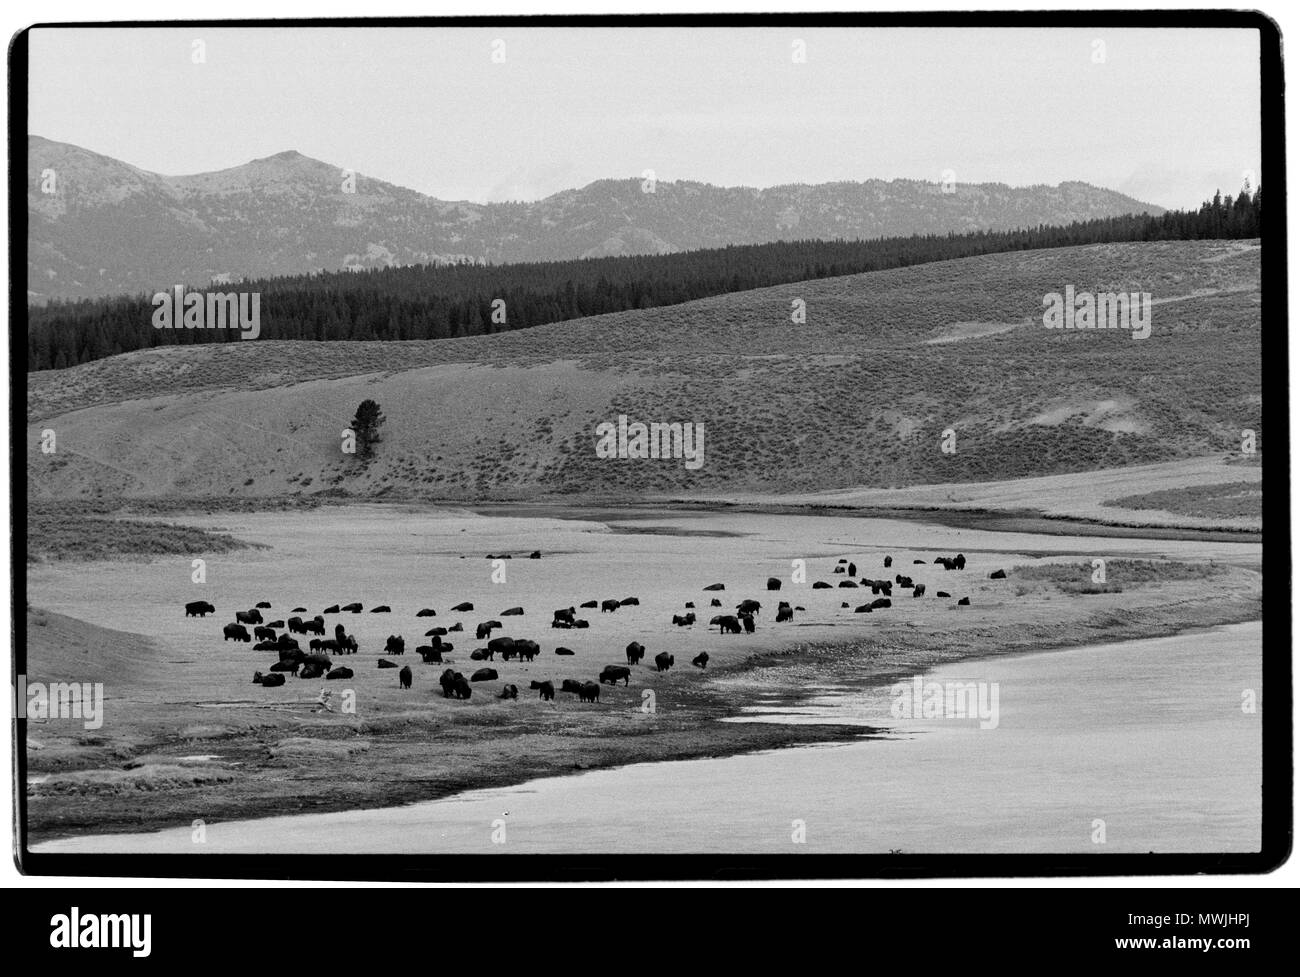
(109, 228)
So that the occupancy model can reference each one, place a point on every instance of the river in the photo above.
(1131, 747)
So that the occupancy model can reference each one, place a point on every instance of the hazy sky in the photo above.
(1168, 116)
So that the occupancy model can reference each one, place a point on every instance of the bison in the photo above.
(268, 681)
(509, 692)
(426, 612)
(465, 606)
(512, 612)
(919, 590)
(589, 692)
(199, 608)
(342, 671)
(995, 575)
(773, 583)
(727, 624)
(236, 632)
(715, 586)
(609, 606)
(249, 617)
(635, 652)
(381, 609)
(612, 673)
(784, 614)
(701, 660)
(332, 609)
(563, 651)
(663, 661)
(262, 633)
(484, 675)
(545, 690)
(404, 677)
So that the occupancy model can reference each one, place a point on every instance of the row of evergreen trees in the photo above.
(447, 301)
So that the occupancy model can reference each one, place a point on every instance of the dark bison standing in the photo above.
(526, 649)
(404, 677)
(395, 645)
(589, 692)
(663, 661)
(727, 624)
(853, 569)
(919, 591)
(263, 633)
(784, 613)
(889, 561)
(565, 614)
(454, 685)
(545, 690)
(635, 652)
(237, 632)
(484, 630)
(430, 654)
(773, 583)
(701, 660)
(315, 626)
(503, 646)
(748, 607)
(683, 620)
(249, 617)
(612, 673)
(748, 621)
(570, 685)
(199, 608)
(960, 561)
(609, 606)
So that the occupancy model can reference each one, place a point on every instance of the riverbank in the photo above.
(177, 765)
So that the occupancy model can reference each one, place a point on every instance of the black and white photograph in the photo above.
(825, 446)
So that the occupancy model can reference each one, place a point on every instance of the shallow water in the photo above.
(1148, 737)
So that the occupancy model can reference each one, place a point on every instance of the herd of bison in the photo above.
(315, 662)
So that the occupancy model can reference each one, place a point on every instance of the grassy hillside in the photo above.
(858, 395)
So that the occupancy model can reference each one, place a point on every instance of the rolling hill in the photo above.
(110, 228)
(858, 395)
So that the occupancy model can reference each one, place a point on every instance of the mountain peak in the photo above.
(113, 228)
